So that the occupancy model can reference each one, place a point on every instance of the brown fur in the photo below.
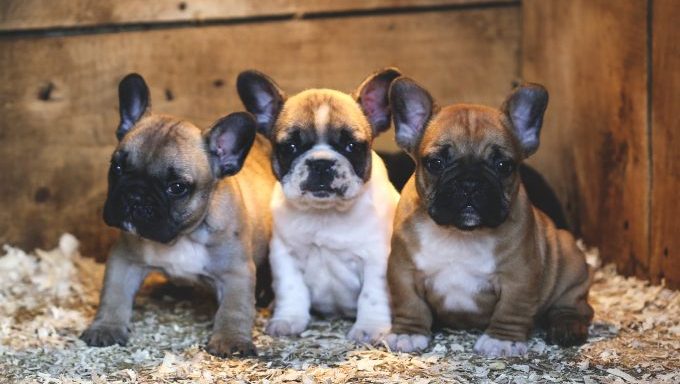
(299, 111)
(540, 274)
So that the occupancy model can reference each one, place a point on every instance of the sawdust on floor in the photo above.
(48, 298)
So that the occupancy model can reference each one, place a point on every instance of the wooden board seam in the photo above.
(313, 15)
(650, 145)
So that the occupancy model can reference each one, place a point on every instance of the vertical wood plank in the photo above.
(591, 55)
(665, 249)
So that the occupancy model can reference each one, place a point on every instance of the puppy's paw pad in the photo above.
(227, 347)
(407, 343)
(286, 327)
(491, 347)
(568, 331)
(368, 333)
(104, 335)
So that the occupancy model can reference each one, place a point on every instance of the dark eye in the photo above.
(349, 148)
(116, 168)
(177, 189)
(504, 167)
(290, 148)
(434, 165)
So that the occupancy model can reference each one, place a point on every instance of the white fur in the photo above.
(407, 343)
(491, 347)
(128, 226)
(456, 266)
(184, 259)
(334, 261)
(322, 116)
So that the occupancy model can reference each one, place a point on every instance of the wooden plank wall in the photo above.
(665, 211)
(609, 144)
(59, 75)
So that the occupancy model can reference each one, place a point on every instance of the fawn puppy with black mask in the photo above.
(191, 205)
(469, 250)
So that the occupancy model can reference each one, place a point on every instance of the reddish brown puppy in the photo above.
(469, 250)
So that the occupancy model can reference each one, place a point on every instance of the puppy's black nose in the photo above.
(320, 167)
(137, 207)
(142, 212)
(321, 174)
(469, 185)
(133, 197)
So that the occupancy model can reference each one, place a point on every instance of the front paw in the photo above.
(491, 347)
(224, 346)
(368, 333)
(290, 326)
(105, 335)
(567, 331)
(407, 343)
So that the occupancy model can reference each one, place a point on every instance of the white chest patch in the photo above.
(456, 266)
(184, 259)
(334, 280)
(333, 248)
(328, 250)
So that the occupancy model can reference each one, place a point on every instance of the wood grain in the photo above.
(665, 247)
(591, 55)
(44, 14)
(59, 104)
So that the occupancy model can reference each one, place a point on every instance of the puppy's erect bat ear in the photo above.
(525, 108)
(372, 95)
(412, 107)
(134, 101)
(261, 97)
(228, 142)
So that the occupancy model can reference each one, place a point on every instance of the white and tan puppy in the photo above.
(469, 249)
(333, 206)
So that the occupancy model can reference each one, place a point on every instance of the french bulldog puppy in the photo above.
(190, 205)
(469, 250)
(333, 205)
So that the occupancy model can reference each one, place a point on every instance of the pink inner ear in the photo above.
(369, 104)
(225, 143)
(419, 117)
(413, 124)
(372, 99)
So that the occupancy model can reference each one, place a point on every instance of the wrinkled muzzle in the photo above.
(468, 197)
(322, 178)
(138, 207)
(321, 175)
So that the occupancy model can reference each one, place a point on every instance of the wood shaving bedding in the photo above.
(48, 298)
